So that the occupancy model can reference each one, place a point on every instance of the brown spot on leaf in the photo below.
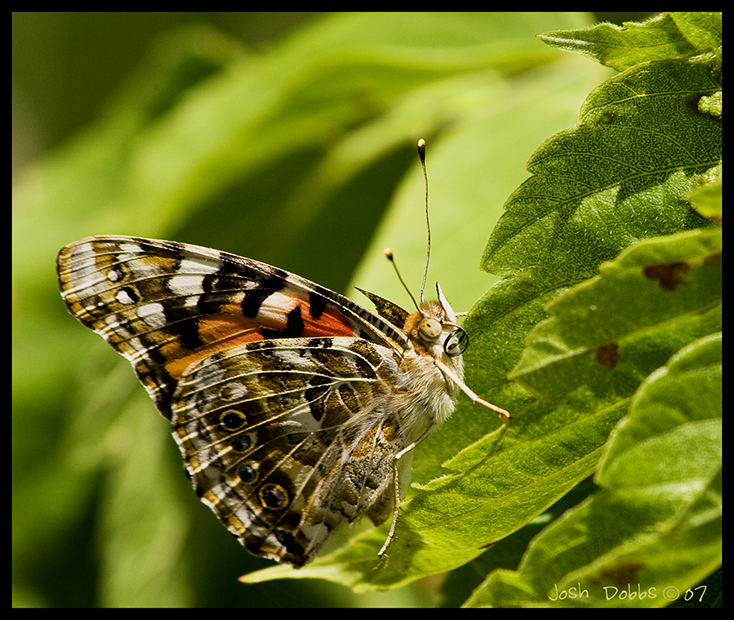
(608, 355)
(712, 259)
(623, 574)
(668, 275)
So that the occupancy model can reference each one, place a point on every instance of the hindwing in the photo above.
(275, 439)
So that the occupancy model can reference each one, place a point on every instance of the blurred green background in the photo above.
(287, 137)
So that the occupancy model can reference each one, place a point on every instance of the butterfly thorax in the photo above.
(430, 330)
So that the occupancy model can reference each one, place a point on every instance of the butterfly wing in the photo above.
(274, 437)
(277, 388)
(166, 305)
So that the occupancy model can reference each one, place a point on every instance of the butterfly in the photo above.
(295, 409)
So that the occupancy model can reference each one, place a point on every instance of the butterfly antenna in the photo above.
(422, 155)
(389, 256)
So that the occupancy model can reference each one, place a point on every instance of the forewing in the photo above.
(274, 433)
(166, 305)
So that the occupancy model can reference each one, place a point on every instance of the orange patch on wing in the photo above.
(217, 332)
(228, 329)
(330, 322)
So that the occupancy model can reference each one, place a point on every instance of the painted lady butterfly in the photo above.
(293, 406)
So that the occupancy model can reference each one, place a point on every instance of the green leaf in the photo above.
(605, 334)
(598, 194)
(615, 178)
(602, 338)
(707, 198)
(653, 532)
(702, 29)
(665, 36)
(684, 396)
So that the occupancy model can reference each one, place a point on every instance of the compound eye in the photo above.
(456, 342)
(429, 329)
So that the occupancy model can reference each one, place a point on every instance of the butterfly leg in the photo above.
(396, 487)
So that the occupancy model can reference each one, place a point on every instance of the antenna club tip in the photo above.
(422, 149)
(388, 254)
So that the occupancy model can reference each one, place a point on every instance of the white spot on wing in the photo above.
(114, 326)
(153, 315)
(275, 308)
(124, 298)
(233, 391)
(185, 285)
(82, 249)
(133, 248)
(190, 265)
